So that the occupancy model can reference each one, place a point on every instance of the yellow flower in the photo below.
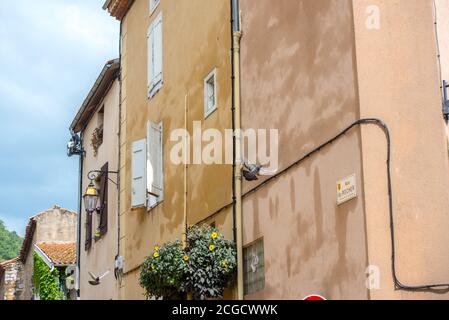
(186, 258)
(156, 248)
(214, 235)
(211, 247)
(156, 254)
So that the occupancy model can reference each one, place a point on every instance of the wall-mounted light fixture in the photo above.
(91, 196)
(74, 147)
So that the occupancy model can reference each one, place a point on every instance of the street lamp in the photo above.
(91, 198)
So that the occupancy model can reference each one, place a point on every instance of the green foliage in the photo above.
(163, 272)
(212, 262)
(204, 269)
(10, 243)
(46, 282)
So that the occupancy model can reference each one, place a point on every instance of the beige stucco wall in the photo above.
(196, 39)
(399, 83)
(101, 257)
(56, 225)
(298, 76)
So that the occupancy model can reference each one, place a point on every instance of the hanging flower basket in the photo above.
(204, 269)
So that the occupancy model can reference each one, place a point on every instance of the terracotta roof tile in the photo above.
(6, 263)
(60, 254)
(118, 8)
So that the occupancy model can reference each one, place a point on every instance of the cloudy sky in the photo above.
(51, 52)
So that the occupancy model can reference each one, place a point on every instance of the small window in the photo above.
(100, 120)
(254, 267)
(153, 5)
(97, 135)
(210, 93)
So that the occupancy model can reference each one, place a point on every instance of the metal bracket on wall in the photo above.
(95, 174)
(445, 100)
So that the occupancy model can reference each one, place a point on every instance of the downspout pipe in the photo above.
(80, 207)
(237, 178)
(117, 272)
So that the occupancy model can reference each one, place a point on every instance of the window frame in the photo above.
(250, 288)
(209, 110)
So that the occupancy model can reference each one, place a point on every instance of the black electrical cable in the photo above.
(369, 121)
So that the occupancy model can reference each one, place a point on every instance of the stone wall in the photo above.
(9, 285)
(56, 225)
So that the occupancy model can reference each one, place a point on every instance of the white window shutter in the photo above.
(150, 41)
(158, 51)
(155, 173)
(139, 174)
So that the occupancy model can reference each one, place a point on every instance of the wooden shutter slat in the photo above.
(103, 226)
(139, 172)
(88, 242)
(155, 172)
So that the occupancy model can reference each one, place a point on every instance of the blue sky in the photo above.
(51, 52)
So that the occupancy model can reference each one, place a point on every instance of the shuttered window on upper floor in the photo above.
(103, 212)
(138, 174)
(155, 56)
(148, 169)
(155, 167)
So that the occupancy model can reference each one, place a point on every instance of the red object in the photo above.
(314, 298)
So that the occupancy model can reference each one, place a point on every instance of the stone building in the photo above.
(53, 226)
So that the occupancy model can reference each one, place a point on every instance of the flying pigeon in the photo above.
(96, 280)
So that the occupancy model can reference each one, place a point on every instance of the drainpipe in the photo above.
(119, 139)
(237, 178)
(80, 207)
(185, 223)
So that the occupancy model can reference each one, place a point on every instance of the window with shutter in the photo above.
(155, 166)
(88, 242)
(103, 225)
(138, 168)
(155, 56)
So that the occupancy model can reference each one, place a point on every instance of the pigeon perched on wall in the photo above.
(96, 280)
(252, 171)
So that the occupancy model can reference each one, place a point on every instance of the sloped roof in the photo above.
(59, 254)
(101, 86)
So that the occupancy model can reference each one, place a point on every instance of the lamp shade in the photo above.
(91, 198)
